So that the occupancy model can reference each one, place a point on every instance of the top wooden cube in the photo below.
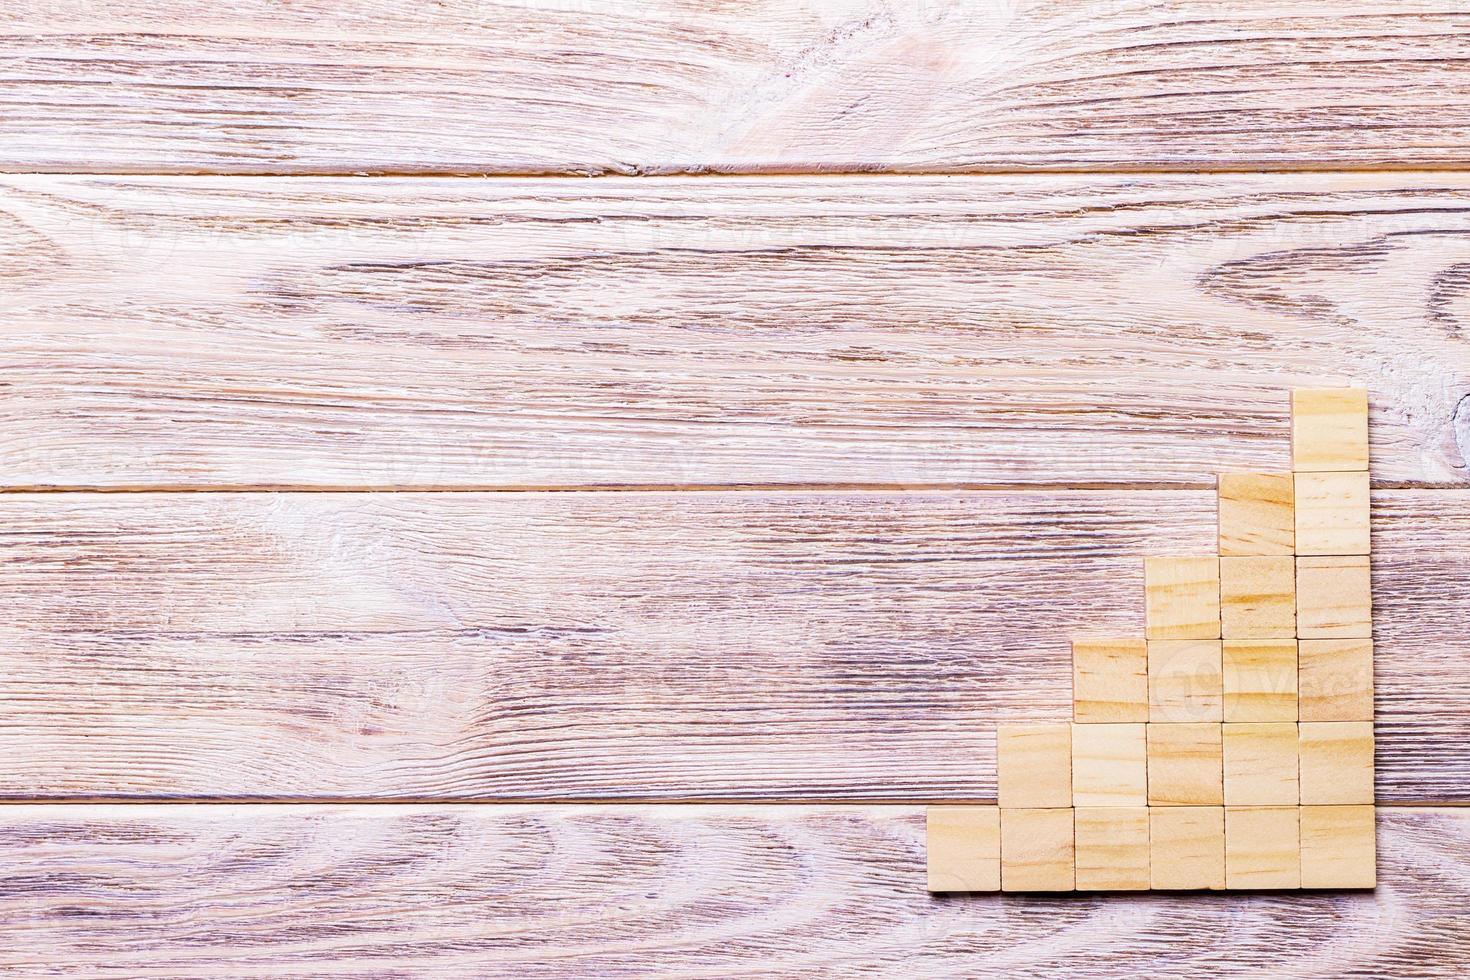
(1329, 429)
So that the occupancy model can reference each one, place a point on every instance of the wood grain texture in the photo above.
(558, 891)
(756, 645)
(1057, 330)
(613, 86)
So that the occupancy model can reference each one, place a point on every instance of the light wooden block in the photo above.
(1182, 598)
(1112, 848)
(1260, 763)
(1185, 765)
(1255, 514)
(1334, 598)
(1187, 847)
(1262, 847)
(1336, 759)
(964, 848)
(1338, 847)
(1260, 679)
(1257, 597)
(1109, 680)
(1332, 513)
(1336, 680)
(1185, 680)
(1036, 852)
(1034, 765)
(1329, 429)
(1109, 765)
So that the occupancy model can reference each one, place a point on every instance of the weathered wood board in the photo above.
(666, 86)
(897, 332)
(653, 891)
(743, 645)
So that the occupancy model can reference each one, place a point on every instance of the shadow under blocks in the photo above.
(1230, 746)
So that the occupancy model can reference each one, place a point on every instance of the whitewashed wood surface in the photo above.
(719, 891)
(662, 86)
(993, 331)
(670, 646)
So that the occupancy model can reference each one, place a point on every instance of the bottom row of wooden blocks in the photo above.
(986, 848)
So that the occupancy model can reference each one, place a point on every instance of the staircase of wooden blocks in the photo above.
(1229, 747)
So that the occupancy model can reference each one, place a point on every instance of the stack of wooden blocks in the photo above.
(1230, 747)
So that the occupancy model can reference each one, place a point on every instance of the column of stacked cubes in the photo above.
(1230, 747)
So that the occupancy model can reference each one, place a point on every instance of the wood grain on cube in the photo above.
(1183, 597)
(1260, 679)
(1262, 847)
(1336, 762)
(1256, 514)
(1334, 598)
(1185, 764)
(1109, 765)
(1339, 846)
(1034, 765)
(1258, 597)
(1111, 845)
(1187, 847)
(469, 327)
(1335, 680)
(1329, 429)
(1260, 763)
(1109, 680)
(963, 848)
(1332, 514)
(1036, 850)
(1185, 680)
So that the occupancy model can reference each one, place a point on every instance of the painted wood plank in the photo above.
(653, 891)
(757, 645)
(610, 86)
(1057, 330)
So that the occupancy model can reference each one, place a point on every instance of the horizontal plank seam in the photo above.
(555, 801)
(1040, 487)
(655, 173)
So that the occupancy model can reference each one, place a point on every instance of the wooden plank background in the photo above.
(1074, 331)
(679, 86)
(528, 573)
(553, 891)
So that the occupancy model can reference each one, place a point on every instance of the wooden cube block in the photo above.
(1257, 597)
(1329, 429)
(1262, 847)
(1034, 765)
(1109, 680)
(1185, 765)
(1261, 679)
(1256, 514)
(964, 848)
(1185, 680)
(1260, 763)
(1112, 848)
(1109, 765)
(1182, 598)
(1334, 598)
(1186, 847)
(1336, 680)
(1036, 850)
(1338, 848)
(1336, 760)
(1332, 513)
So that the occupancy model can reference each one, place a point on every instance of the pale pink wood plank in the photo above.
(662, 891)
(621, 645)
(598, 86)
(215, 332)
